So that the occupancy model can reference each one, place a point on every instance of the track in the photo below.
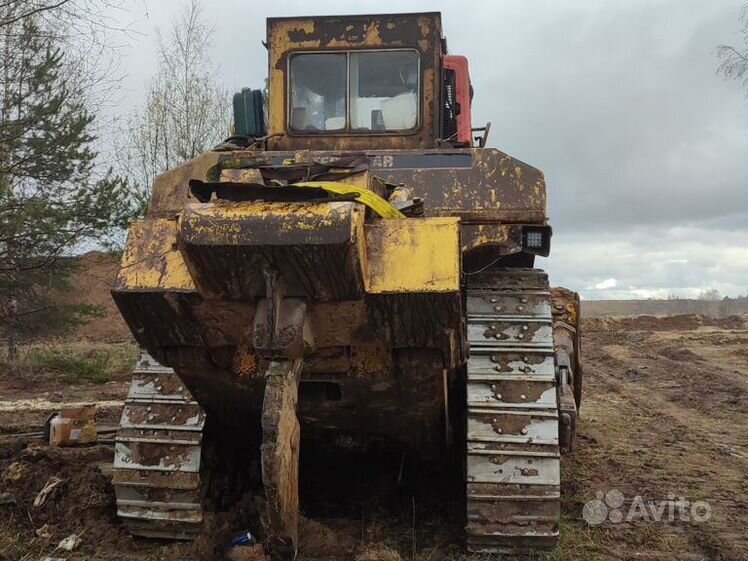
(513, 466)
(157, 455)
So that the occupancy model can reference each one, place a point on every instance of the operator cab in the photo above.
(360, 83)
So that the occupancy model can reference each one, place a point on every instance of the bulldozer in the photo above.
(353, 268)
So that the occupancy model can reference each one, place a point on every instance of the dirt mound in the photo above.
(683, 322)
(680, 354)
(91, 283)
(671, 307)
(80, 500)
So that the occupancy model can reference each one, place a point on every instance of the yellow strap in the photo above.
(369, 198)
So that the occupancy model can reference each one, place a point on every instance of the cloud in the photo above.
(651, 262)
(604, 285)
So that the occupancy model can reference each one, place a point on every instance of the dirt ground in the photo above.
(663, 423)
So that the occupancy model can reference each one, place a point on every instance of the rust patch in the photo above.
(513, 392)
(367, 360)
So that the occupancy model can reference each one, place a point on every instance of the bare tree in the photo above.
(186, 110)
(14, 11)
(734, 65)
(710, 295)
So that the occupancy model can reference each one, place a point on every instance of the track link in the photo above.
(157, 455)
(513, 465)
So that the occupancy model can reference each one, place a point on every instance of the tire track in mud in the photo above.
(640, 437)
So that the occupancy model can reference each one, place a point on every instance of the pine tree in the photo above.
(51, 198)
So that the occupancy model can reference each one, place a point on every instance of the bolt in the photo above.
(492, 327)
(493, 300)
(521, 336)
(523, 431)
(497, 335)
(498, 430)
(498, 396)
(497, 368)
(494, 358)
(520, 308)
(525, 359)
(493, 387)
(497, 308)
(523, 300)
(523, 396)
(525, 328)
(524, 471)
(179, 389)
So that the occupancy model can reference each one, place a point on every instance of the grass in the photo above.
(577, 541)
(73, 362)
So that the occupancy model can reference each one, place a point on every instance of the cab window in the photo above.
(357, 91)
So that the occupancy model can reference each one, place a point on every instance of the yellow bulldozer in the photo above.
(352, 269)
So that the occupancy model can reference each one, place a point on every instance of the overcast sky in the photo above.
(644, 147)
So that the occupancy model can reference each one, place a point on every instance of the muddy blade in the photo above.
(513, 465)
(157, 456)
(280, 455)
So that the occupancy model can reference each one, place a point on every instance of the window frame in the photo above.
(347, 130)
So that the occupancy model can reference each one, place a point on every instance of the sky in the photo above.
(644, 147)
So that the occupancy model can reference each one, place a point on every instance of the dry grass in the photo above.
(76, 362)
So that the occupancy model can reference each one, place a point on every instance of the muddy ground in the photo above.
(663, 425)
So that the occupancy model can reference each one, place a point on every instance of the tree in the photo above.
(51, 198)
(734, 65)
(186, 110)
(14, 11)
(710, 295)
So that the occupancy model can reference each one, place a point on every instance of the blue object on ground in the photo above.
(243, 539)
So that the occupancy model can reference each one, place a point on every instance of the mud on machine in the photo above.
(354, 262)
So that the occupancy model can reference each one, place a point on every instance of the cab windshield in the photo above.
(354, 91)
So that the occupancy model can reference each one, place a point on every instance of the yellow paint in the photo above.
(171, 189)
(572, 312)
(414, 255)
(476, 235)
(246, 363)
(231, 223)
(242, 210)
(151, 259)
(251, 175)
